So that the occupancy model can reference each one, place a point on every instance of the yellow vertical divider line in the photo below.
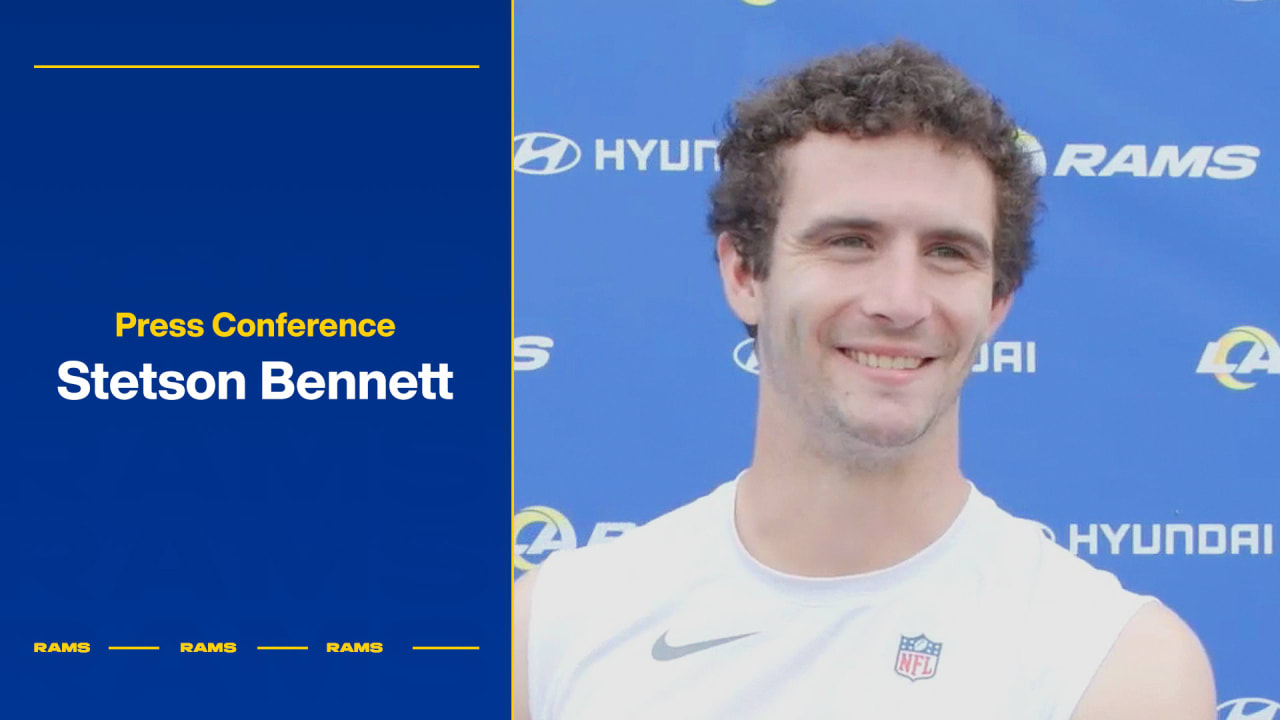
(513, 361)
(514, 700)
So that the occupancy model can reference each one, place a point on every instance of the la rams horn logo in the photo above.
(1263, 356)
(917, 657)
(1034, 151)
(555, 532)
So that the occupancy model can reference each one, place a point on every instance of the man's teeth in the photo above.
(885, 362)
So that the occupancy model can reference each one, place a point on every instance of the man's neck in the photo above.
(809, 513)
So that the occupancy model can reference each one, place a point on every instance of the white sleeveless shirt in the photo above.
(676, 621)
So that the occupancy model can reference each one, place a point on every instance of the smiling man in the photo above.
(872, 223)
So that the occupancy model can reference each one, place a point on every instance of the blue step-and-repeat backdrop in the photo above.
(1130, 404)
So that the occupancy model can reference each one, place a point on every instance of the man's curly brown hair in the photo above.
(879, 90)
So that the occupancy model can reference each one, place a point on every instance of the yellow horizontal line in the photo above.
(460, 647)
(281, 647)
(133, 647)
(437, 67)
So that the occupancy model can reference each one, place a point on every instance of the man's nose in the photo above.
(897, 293)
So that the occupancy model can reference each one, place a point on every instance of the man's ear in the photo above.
(741, 289)
(999, 311)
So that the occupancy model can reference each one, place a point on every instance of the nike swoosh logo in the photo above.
(663, 652)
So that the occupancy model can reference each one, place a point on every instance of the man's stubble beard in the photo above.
(832, 432)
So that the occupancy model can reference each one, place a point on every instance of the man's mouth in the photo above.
(886, 361)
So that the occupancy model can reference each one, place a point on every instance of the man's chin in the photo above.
(885, 435)
(889, 438)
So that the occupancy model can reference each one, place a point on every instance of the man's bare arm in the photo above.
(1156, 669)
(520, 646)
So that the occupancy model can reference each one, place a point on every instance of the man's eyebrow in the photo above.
(829, 223)
(975, 241)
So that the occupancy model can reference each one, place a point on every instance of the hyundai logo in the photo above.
(745, 356)
(1249, 709)
(544, 153)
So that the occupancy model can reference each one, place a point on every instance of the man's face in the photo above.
(879, 291)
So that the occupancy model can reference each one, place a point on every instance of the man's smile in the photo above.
(888, 364)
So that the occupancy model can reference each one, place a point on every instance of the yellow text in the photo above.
(177, 327)
(225, 325)
(353, 647)
(207, 647)
(62, 647)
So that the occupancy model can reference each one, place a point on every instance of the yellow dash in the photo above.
(436, 67)
(459, 647)
(281, 647)
(133, 647)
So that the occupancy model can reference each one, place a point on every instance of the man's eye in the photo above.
(850, 241)
(948, 251)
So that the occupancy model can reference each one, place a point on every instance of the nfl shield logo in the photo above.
(917, 657)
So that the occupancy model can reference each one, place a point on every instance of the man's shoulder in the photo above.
(1156, 668)
(668, 538)
(1110, 652)
(578, 598)
(648, 561)
(1021, 548)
